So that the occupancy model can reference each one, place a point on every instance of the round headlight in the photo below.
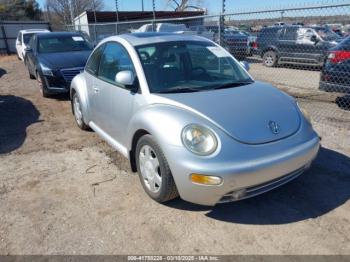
(199, 140)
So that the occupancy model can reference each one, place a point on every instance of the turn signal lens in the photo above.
(206, 180)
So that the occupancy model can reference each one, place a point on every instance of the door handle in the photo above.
(96, 90)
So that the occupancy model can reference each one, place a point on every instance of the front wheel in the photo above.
(78, 113)
(270, 59)
(154, 171)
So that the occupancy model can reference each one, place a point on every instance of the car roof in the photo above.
(137, 39)
(55, 34)
(33, 30)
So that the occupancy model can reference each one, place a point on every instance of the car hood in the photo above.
(65, 60)
(245, 113)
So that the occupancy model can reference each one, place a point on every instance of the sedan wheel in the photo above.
(270, 59)
(154, 171)
(78, 113)
(43, 91)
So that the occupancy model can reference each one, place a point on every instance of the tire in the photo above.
(43, 90)
(270, 59)
(30, 75)
(78, 113)
(154, 165)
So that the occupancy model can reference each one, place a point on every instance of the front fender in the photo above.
(164, 123)
(79, 86)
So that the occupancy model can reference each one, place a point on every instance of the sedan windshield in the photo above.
(63, 43)
(189, 66)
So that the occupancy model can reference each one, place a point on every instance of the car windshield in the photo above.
(189, 66)
(327, 34)
(26, 38)
(63, 43)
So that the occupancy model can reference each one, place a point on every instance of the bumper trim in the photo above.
(262, 188)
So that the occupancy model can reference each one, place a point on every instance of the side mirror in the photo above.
(245, 64)
(126, 78)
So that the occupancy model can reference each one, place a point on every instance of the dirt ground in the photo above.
(65, 191)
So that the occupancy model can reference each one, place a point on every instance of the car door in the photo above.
(288, 51)
(19, 45)
(91, 71)
(30, 57)
(113, 101)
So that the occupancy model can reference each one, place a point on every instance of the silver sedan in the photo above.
(190, 119)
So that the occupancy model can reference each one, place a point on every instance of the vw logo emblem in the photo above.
(274, 127)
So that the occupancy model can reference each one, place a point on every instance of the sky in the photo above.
(214, 6)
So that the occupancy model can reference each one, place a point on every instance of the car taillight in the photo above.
(338, 56)
(255, 45)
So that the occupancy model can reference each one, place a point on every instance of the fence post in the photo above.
(5, 39)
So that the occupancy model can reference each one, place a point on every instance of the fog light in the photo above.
(206, 180)
(238, 194)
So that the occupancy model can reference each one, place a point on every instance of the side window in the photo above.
(94, 61)
(113, 60)
(304, 36)
(289, 34)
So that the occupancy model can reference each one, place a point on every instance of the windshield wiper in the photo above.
(233, 84)
(180, 90)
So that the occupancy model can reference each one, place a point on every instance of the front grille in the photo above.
(261, 188)
(69, 73)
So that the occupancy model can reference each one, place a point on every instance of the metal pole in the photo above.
(117, 13)
(143, 8)
(222, 24)
(71, 12)
(154, 15)
(95, 21)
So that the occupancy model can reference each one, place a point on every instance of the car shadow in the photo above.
(2, 72)
(16, 115)
(318, 191)
(343, 102)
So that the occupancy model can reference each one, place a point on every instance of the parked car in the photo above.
(190, 119)
(176, 28)
(295, 45)
(23, 39)
(55, 58)
(335, 75)
(237, 43)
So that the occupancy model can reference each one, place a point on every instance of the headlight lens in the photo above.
(199, 140)
(46, 71)
(305, 113)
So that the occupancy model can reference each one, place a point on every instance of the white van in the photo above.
(23, 40)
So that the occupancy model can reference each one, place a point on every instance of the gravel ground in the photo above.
(64, 191)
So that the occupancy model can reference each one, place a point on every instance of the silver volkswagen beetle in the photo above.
(190, 119)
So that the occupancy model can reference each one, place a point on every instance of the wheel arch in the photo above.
(136, 137)
(78, 86)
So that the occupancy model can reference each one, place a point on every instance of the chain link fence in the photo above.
(304, 51)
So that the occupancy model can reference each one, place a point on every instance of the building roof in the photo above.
(137, 39)
(110, 17)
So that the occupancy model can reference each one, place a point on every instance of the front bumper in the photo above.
(56, 85)
(334, 87)
(265, 167)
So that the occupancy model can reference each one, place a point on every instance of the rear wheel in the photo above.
(154, 171)
(270, 59)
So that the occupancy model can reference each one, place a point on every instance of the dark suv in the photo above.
(295, 45)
